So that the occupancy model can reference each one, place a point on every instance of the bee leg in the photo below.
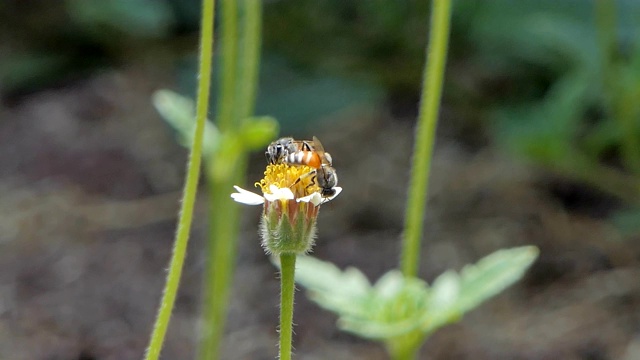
(313, 179)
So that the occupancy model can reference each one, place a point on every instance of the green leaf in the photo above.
(227, 156)
(343, 292)
(258, 132)
(179, 112)
(492, 274)
(402, 311)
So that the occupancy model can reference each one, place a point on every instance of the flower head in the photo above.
(291, 199)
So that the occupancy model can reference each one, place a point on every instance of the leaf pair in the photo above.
(401, 311)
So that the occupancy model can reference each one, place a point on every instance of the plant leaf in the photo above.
(179, 112)
(397, 309)
(492, 274)
(343, 292)
(258, 132)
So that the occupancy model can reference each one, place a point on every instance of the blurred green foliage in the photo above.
(571, 72)
(377, 40)
(136, 18)
(555, 82)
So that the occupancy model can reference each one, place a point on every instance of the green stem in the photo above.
(407, 355)
(287, 289)
(406, 347)
(236, 102)
(425, 134)
(223, 234)
(229, 48)
(190, 188)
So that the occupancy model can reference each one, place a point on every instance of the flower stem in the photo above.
(223, 231)
(229, 49)
(425, 134)
(236, 102)
(287, 289)
(190, 188)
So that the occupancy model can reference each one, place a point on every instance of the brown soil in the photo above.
(89, 187)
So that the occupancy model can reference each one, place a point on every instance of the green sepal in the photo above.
(283, 235)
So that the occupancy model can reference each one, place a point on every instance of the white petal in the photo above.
(247, 197)
(278, 193)
(314, 198)
(338, 190)
(317, 199)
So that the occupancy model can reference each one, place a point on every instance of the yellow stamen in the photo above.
(300, 179)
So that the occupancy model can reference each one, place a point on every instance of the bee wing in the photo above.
(318, 145)
(320, 150)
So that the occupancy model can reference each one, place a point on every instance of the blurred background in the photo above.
(538, 143)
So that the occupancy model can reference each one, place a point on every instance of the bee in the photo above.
(324, 173)
(279, 150)
(287, 150)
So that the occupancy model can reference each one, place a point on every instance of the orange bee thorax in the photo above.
(308, 158)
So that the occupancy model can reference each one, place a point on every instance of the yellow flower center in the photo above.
(300, 179)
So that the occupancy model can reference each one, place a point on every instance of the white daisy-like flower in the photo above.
(291, 200)
(250, 198)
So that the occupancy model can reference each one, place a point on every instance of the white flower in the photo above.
(249, 198)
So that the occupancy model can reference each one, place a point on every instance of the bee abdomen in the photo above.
(308, 158)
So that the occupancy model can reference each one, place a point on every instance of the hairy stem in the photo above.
(287, 289)
(190, 188)
(425, 134)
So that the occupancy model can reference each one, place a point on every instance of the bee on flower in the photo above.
(298, 179)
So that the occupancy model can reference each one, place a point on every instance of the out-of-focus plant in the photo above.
(401, 310)
(44, 44)
(190, 189)
(225, 145)
(378, 39)
(579, 113)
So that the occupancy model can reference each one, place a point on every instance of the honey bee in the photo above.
(324, 174)
(310, 153)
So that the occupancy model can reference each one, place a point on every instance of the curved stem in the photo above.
(287, 289)
(425, 134)
(190, 188)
